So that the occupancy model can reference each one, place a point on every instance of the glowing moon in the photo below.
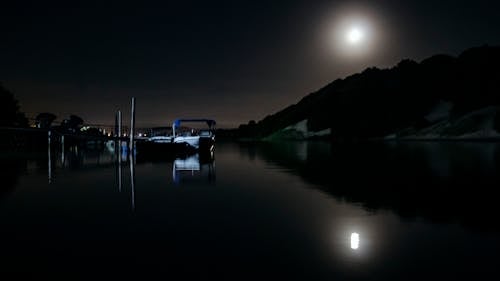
(353, 32)
(354, 35)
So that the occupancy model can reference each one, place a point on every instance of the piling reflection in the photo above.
(132, 181)
(49, 156)
(119, 156)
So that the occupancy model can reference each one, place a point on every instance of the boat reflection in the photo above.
(194, 167)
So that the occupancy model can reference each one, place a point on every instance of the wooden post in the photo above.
(132, 125)
(118, 147)
(119, 117)
(132, 158)
(115, 128)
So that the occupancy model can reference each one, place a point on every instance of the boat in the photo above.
(181, 141)
(203, 140)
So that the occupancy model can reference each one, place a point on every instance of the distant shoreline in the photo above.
(367, 140)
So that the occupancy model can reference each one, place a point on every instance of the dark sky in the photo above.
(229, 60)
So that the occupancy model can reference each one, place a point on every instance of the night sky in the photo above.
(229, 60)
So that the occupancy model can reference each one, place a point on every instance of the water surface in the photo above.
(301, 210)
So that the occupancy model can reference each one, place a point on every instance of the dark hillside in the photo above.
(380, 102)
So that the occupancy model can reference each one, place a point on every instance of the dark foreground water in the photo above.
(302, 211)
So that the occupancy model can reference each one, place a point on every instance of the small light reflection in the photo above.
(354, 240)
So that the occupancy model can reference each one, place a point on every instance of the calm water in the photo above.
(306, 211)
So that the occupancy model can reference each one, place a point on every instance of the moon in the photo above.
(354, 35)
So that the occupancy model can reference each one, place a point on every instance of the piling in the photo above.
(132, 125)
(119, 123)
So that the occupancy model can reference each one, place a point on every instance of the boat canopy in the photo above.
(177, 123)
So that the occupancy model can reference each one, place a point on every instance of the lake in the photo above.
(271, 211)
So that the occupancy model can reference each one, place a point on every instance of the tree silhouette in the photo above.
(10, 115)
(44, 120)
(73, 124)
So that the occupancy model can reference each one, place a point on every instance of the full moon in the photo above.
(354, 35)
(353, 32)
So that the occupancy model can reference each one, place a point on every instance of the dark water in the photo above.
(255, 212)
